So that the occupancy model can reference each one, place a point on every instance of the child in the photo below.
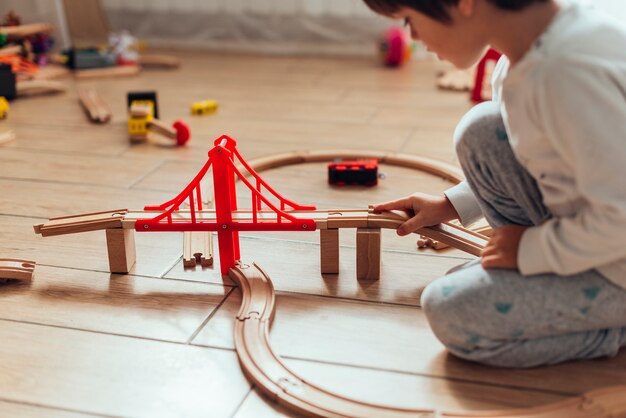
(545, 164)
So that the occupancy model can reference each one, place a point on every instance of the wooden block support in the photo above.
(368, 253)
(121, 247)
(329, 251)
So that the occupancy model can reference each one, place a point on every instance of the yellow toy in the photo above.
(140, 115)
(141, 121)
(4, 107)
(203, 107)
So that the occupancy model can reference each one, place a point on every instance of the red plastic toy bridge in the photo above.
(223, 157)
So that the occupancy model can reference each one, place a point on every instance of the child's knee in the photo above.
(443, 307)
(478, 131)
(453, 306)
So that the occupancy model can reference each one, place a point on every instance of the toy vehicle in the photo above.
(360, 172)
(203, 107)
(4, 107)
(139, 118)
(151, 96)
(141, 121)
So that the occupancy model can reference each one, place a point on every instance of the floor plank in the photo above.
(156, 253)
(16, 409)
(403, 275)
(397, 338)
(112, 375)
(170, 310)
(65, 168)
(396, 389)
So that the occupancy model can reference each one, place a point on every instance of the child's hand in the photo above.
(501, 250)
(426, 210)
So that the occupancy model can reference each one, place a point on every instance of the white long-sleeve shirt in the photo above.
(564, 108)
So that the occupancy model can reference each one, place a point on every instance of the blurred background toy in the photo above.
(395, 47)
(203, 107)
(142, 119)
(4, 107)
(353, 172)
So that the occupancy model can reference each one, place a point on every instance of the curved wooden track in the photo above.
(427, 165)
(16, 269)
(265, 368)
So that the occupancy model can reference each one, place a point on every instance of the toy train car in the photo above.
(359, 172)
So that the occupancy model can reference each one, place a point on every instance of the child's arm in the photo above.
(465, 203)
(582, 109)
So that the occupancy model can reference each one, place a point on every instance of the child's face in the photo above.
(461, 41)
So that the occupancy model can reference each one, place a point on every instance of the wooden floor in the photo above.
(79, 341)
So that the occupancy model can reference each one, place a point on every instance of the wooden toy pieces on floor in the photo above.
(427, 242)
(15, 269)
(197, 248)
(95, 108)
(142, 120)
(368, 251)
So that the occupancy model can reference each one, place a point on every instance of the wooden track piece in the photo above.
(270, 375)
(158, 61)
(121, 248)
(162, 128)
(197, 248)
(38, 87)
(265, 368)
(455, 236)
(16, 269)
(81, 223)
(119, 71)
(438, 168)
(368, 253)
(480, 232)
(94, 106)
(7, 136)
(22, 31)
(329, 251)
(347, 219)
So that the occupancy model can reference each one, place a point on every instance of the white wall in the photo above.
(337, 27)
(345, 8)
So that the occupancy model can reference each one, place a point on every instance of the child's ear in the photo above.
(466, 7)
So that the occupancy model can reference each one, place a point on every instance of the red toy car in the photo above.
(359, 172)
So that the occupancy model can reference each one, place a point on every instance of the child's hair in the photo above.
(437, 9)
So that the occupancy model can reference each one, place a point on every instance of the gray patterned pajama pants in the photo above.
(497, 316)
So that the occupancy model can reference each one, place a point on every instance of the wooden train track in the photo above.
(270, 375)
(265, 368)
(415, 162)
(455, 236)
(15, 269)
(95, 107)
